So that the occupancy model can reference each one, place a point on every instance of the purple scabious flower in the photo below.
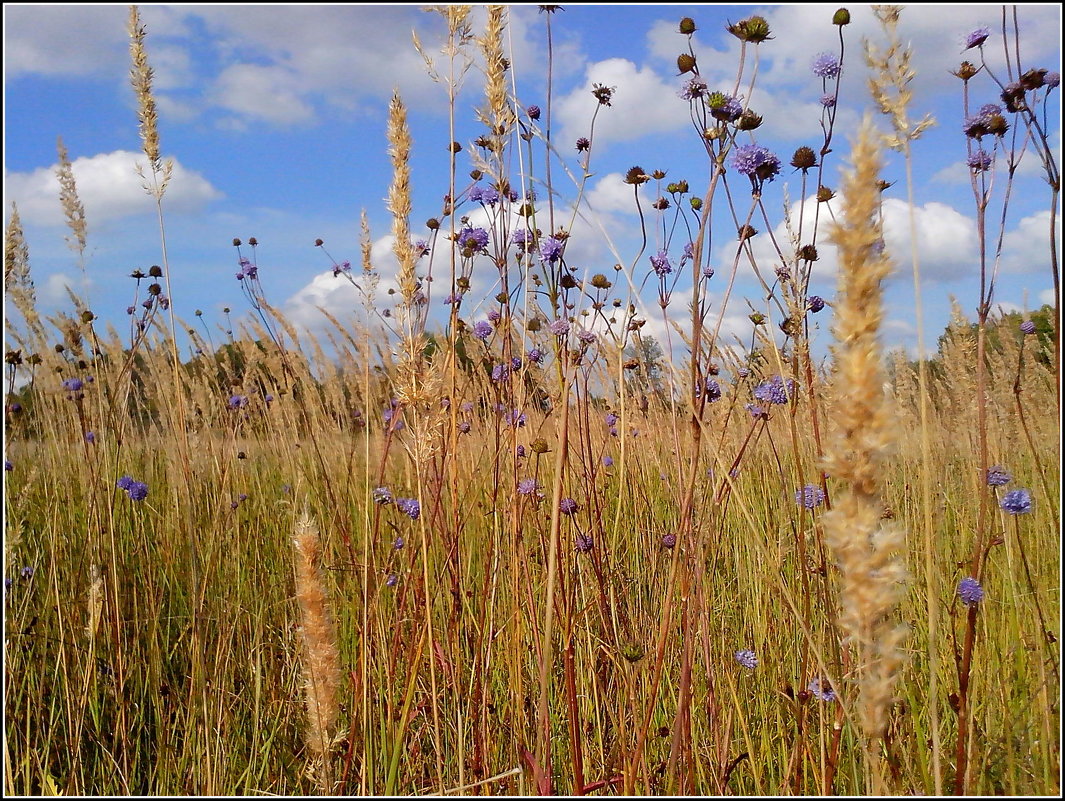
(1052, 80)
(826, 65)
(237, 401)
(980, 160)
(1028, 327)
(520, 238)
(997, 476)
(559, 327)
(515, 363)
(26, 572)
(567, 506)
(822, 690)
(608, 461)
(1017, 502)
(398, 543)
(775, 390)
(137, 491)
(8, 467)
(712, 390)
(551, 250)
(410, 507)
(977, 37)
(660, 264)
(454, 299)
(669, 540)
(534, 356)
(500, 372)
(533, 112)
(584, 543)
(464, 427)
(755, 411)
(484, 194)
(693, 89)
(611, 419)
(482, 329)
(586, 337)
(810, 496)
(515, 419)
(392, 580)
(382, 495)
(828, 100)
(528, 486)
(494, 316)
(970, 591)
(756, 162)
(747, 658)
(73, 385)
(124, 483)
(90, 437)
(708, 272)
(815, 303)
(475, 239)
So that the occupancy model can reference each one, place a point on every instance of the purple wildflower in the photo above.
(398, 543)
(828, 100)
(237, 401)
(608, 461)
(551, 250)
(980, 160)
(997, 476)
(1028, 327)
(533, 112)
(559, 327)
(755, 411)
(1052, 80)
(661, 265)
(90, 437)
(970, 591)
(826, 65)
(392, 580)
(1017, 502)
(482, 329)
(586, 337)
(669, 540)
(775, 390)
(124, 483)
(410, 507)
(810, 496)
(8, 466)
(137, 491)
(756, 162)
(977, 37)
(693, 89)
(528, 486)
(73, 385)
(708, 272)
(712, 390)
(611, 419)
(822, 690)
(747, 658)
(567, 506)
(494, 316)
(534, 355)
(515, 419)
(26, 572)
(382, 495)
(584, 543)
(475, 239)
(464, 427)
(815, 303)
(500, 372)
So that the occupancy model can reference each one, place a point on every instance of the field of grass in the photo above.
(531, 557)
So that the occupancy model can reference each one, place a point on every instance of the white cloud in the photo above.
(1026, 248)
(109, 188)
(266, 93)
(1047, 297)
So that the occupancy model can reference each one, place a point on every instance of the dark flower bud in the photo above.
(680, 188)
(661, 204)
(155, 271)
(632, 651)
(455, 147)
(804, 159)
(966, 71)
(34, 359)
(687, 26)
(318, 243)
(236, 242)
(745, 232)
(463, 283)
(533, 324)
(476, 174)
(599, 281)
(482, 141)
(502, 297)
(155, 289)
(636, 176)
(583, 145)
(567, 281)
(697, 203)
(998, 125)
(87, 316)
(658, 175)
(60, 347)
(1034, 79)
(432, 223)
(136, 274)
(754, 29)
(13, 357)
(748, 120)
(533, 112)
(883, 185)
(841, 17)
(604, 94)
(791, 327)
(685, 63)
(757, 318)
(1013, 97)
(808, 253)
(824, 194)
(631, 364)
(225, 310)
(253, 241)
(539, 446)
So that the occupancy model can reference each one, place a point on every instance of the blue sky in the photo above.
(275, 117)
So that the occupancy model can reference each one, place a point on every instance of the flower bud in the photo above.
(804, 159)
(687, 26)
(824, 194)
(841, 17)
(748, 121)
(685, 63)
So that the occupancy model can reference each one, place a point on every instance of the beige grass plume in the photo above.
(867, 548)
(320, 657)
(141, 76)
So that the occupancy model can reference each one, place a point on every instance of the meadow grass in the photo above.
(410, 564)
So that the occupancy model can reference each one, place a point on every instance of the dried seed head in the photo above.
(804, 159)
(841, 17)
(687, 26)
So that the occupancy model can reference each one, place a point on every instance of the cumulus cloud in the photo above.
(269, 93)
(109, 188)
(1026, 248)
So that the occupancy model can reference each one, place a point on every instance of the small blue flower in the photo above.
(584, 543)
(810, 496)
(660, 264)
(1017, 502)
(822, 690)
(551, 250)
(977, 37)
(997, 476)
(568, 506)
(970, 591)
(482, 329)
(410, 507)
(137, 491)
(747, 658)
